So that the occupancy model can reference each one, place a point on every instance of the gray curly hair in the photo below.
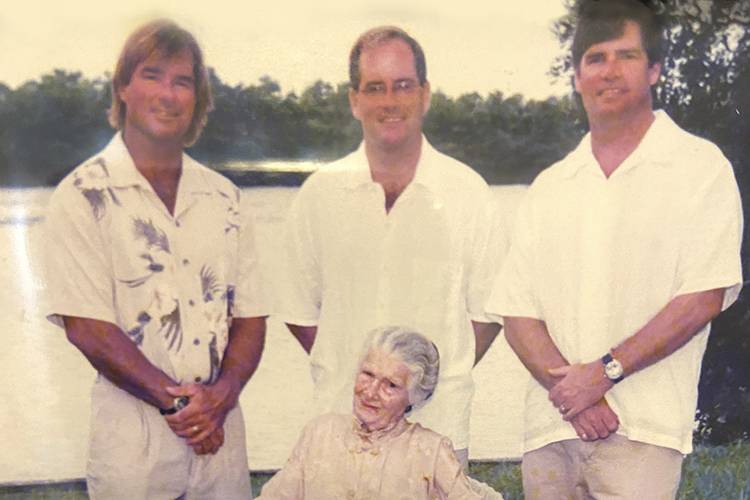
(416, 351)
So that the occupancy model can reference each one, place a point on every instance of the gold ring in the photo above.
(195, 428)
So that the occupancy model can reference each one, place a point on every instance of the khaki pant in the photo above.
(612, 468)
(134, 455)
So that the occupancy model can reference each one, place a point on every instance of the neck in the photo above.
(160, 162)
(154, 159)
(393, 169)
(614, 139)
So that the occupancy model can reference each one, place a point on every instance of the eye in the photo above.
(374, 88)
(404, 85)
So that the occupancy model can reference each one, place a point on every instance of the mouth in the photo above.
(391, 119)
(611, 92)
(165, 115)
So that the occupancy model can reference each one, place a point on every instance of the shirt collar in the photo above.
(656, 147)
(123, 172)
(425, 175)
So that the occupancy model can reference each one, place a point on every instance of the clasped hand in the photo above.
(579, 396)
(201, 422)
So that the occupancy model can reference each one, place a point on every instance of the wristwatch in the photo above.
(612, 368)
(178, 404)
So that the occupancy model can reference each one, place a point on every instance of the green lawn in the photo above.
(715, 473)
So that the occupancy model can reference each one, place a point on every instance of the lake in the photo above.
(44, 417)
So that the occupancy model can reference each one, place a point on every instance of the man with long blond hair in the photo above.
(152, 273)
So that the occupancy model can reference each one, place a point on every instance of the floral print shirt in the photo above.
(171, 283)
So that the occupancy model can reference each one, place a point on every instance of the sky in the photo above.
(470, 45)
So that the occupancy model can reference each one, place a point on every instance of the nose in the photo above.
(372, 389)
(611, 69)
(166, 90)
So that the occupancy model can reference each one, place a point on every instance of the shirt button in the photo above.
(196, 341)
(198, 380)
(185, 262)
(191, 302)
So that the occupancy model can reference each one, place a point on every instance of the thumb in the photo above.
(560, 371)
(181, 390)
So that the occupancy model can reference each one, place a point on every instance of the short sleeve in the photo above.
(486, 254)
(77, 264)
(250, 292)
(710, 252)
(298, 286)
(512, 293)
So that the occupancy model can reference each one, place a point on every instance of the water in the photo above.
(44, 409)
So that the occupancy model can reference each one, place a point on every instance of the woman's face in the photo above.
(381, 392)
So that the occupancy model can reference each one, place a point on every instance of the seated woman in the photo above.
(377, 453)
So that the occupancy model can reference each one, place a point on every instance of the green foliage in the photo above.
(49, 126)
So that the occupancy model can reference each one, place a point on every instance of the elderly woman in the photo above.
(377, 453)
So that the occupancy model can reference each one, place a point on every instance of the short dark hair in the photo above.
(602, 20)
(378, 36)
(166, 38)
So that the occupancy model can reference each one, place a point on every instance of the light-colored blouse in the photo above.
(335, 458)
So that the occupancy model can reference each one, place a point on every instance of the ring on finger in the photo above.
(195, 428)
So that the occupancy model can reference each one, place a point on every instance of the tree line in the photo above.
(49, 125)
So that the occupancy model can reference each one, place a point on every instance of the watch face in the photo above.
(613, 369)
(181, 402)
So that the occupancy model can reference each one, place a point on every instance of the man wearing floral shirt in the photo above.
(152, 273)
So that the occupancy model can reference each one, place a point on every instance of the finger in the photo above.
(571, 413)
(560, 371)
(181, 390)
(200, 435)
(583, 429)
(600, 428)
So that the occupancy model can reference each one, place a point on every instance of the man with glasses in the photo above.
(394, 233)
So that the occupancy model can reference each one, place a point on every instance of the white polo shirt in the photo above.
(597, 258)
(427, 264)
(171, 283)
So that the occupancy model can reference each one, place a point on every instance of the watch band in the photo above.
(179, 403)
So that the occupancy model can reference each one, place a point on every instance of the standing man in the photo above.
(623, 253)
(153, 274)
(394, 233)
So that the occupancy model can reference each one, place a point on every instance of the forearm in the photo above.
(119, 360)
(305, 335)
(670, 329)
(533, 345)
(243, 353)
(484, 336)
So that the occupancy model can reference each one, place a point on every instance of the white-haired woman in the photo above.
(377, 453)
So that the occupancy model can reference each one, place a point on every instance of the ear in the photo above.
(354, 103)
(576, 83)
(654, 72)
(426, 97)
(122, 93)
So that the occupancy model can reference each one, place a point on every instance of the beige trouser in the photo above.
(612, 468)
(134, 455)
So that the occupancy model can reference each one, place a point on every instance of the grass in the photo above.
(720, 472)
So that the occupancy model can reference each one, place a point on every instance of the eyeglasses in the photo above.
(399, 87)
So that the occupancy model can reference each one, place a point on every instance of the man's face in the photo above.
(614, 78)
(160, 98)
(389, 103)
